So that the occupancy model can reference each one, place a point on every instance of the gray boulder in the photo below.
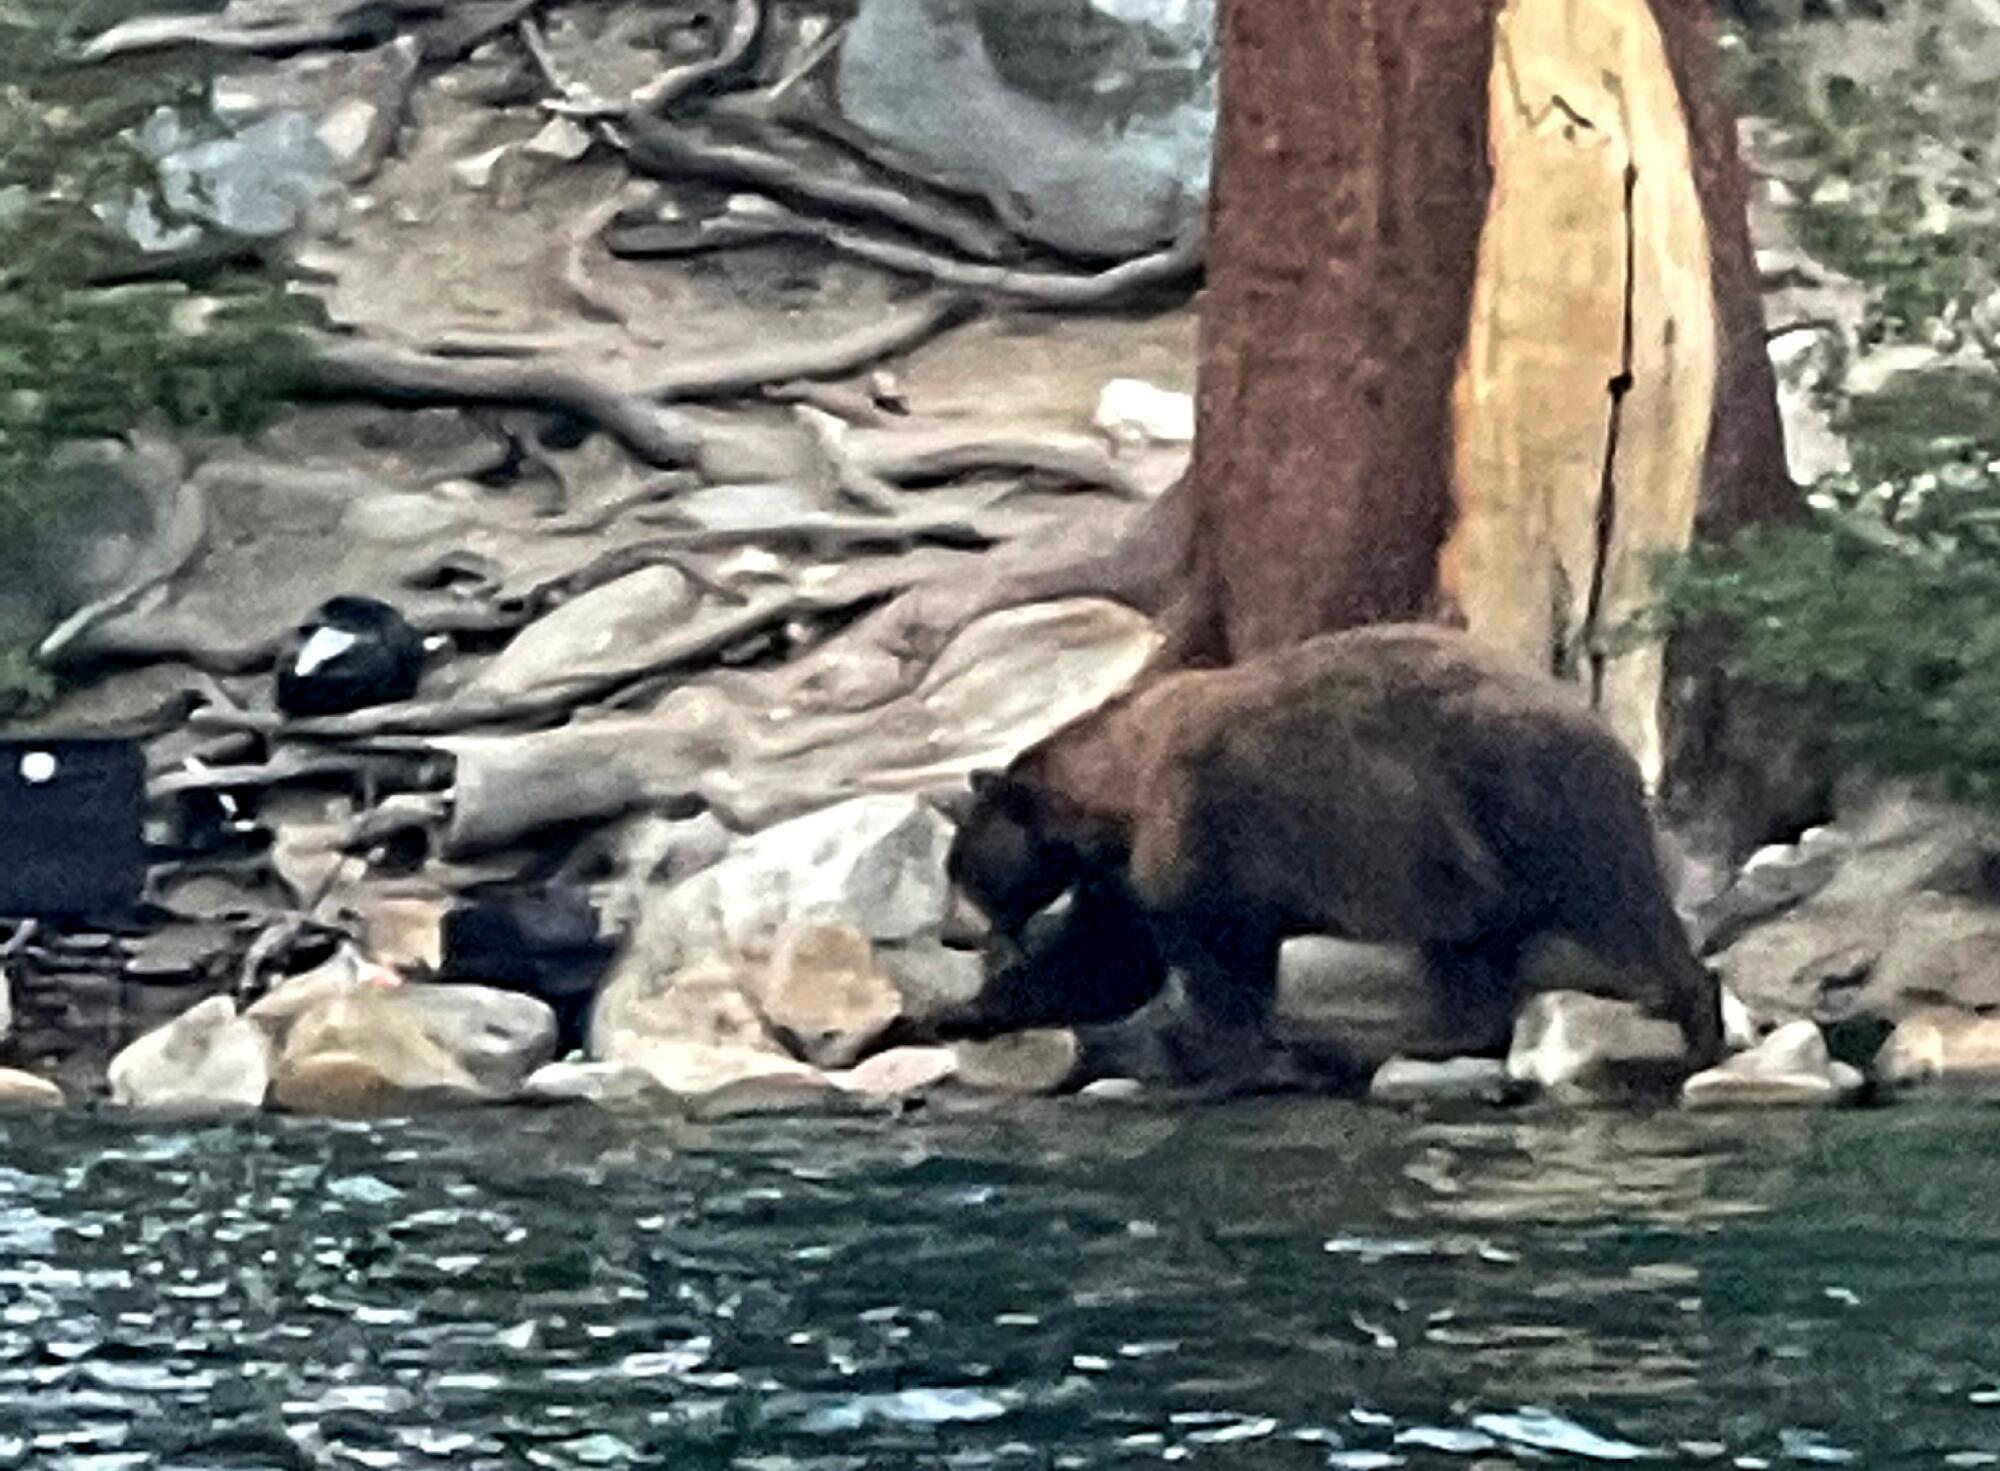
(206, 1061)
(1086, 126)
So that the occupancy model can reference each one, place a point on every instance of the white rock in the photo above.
(1740, 1031)
(1791, 1066)
(1453, 1080)
(208, 1060)
(19, 1090)
(477, 171)
(901, 1072)
(1130, 409)
(690, 1069)
(6, 1006)
(1570, 1039)
(875, 864)
(605, 1084)
(564, 140)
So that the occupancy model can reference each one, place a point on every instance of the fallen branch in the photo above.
(355, 369)
(661, 150)
(1055, 289)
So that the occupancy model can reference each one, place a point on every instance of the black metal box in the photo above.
(72, 825)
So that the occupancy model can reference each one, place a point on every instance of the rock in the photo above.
(403, 932)
(901, 1072)
(6, 1007)
(768, 1095)
(1130, 410)
(1086, 128)
(1740, 1031)
(209, 1060)
(1567, 1039)
(1867, 965)
(690, 1069)
(477, 171)
(259, 180)
(1375, 1002)
(364, 1050)
(562, 140)
(1404, 1080)
(704, 1004)
(822, 988)
(1774, 880)
(614, 627)
(1791, 1066)
(1948, 1048)
(606, 1084)
(291, 998)
(1113, 1090)
(1041, 1061)
(1900, 845)
(19, 1090)
(875, 864)
(500, 1037)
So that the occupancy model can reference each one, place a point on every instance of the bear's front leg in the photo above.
(1224, 959)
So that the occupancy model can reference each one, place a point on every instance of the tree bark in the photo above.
(1481, 338)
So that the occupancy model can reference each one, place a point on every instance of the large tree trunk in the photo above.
(1481, 336)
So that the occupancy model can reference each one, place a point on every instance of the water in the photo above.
(1061, 1285)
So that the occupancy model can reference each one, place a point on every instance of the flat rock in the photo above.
(1039, 1061)
(605, 1084)
(1950, 1049)
(342, 1084)
(1406, 1080)
(769, 1095)
(1791, 1066)
(208, 1060)
(20, 1091)
(692, 1069)
(901, 1072)
(611, 628)
(1569, 1039)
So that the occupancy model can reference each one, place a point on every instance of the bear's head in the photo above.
(1067, 943)
(1008, 856)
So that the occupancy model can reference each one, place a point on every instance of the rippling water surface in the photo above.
(1062, 1285)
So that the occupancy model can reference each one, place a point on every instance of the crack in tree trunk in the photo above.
(1607, 494)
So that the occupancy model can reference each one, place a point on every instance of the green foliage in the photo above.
(81, 358)
(1877, 619)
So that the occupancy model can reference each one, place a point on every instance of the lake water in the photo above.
(1060, 1284)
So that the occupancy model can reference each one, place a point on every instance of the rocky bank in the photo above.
(737, 418)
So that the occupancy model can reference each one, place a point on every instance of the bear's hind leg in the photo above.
(1225, 963)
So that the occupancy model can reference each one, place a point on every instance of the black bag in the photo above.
(72, 822)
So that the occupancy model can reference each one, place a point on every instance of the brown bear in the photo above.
(1397, 783)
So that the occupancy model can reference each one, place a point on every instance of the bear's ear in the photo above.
(987, 782)
(1009, 796)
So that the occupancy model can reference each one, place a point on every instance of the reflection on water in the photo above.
(1283, 1285)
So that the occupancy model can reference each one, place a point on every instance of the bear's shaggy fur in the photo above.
(1397, 783)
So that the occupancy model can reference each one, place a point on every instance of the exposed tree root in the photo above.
(1054, 289)
(749, 372)
(704, 639)
(447, 31)
(356, 369)
(181, 508)
(662, 150)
